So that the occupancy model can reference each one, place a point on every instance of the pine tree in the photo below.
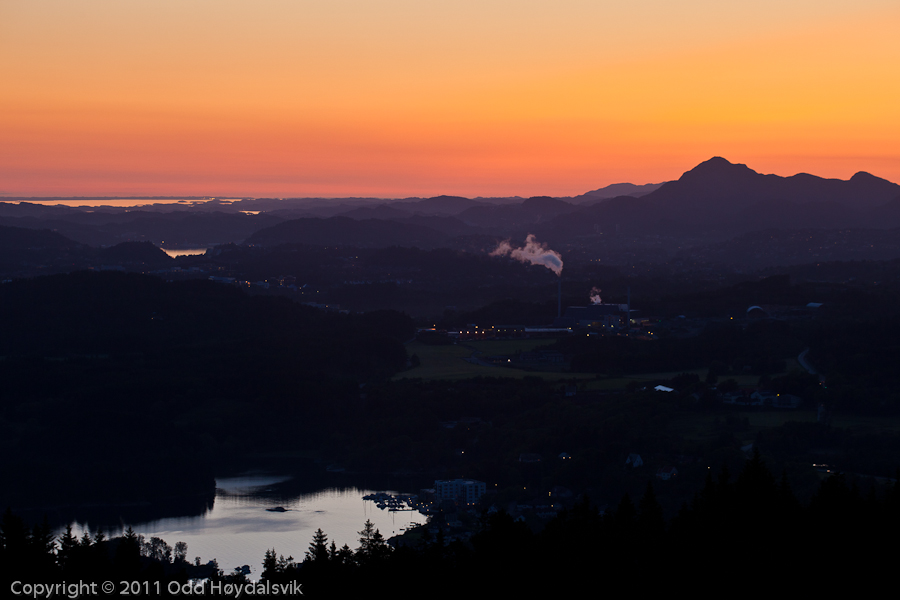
(366, 534)
(379, 547)
(625, 515)
(68, 544)
(651, 520)
(285, 564)
(318, 548)
(345, 555)
(86, 541)
(270, 565)
(41, 549)
(371, 543)
(128, 553)
(14, 544)
(756, 486)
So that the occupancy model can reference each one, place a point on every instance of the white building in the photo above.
(467, 490)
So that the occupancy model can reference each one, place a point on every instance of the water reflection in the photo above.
(237, 529)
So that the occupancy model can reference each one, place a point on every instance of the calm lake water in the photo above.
(238, 530)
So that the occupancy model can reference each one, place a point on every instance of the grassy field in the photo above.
(702, 427)
(864, 424)
(749, 381)
(448, 362)
(699, 426)
(620, 382)
(504, 347)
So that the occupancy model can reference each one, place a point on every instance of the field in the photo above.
(494, 347)
(747, 381)
(449, 362)
(702, 427)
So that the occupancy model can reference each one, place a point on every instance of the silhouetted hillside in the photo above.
(717, 195)
(29, 249)
(511, 218)
(123, 386)
(382, 211)
(16, 239)
(719, 181)
(339, 231)
(783, 247)
(617, 189)
(108, 227)
(136, 253)
(439, 205)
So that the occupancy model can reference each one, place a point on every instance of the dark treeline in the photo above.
(747, 531)
(123, 386)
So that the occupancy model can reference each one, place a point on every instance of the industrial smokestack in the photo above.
(533, 253)
(628, 316)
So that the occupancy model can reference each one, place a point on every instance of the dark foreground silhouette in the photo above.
(749, 533)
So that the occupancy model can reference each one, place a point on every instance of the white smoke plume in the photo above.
(533, 253)
(595, 296)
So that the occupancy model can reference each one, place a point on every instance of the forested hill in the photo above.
(89, 313)
(344, 231)
(114, 383)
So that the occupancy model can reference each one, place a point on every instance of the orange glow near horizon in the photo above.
(495, 98)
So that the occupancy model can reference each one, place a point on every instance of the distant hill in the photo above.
(24, 250)
(719, 196)
(448, 225)
(344, 231)
(102, 228)
(618, 189)
(13, 239)
(439, 205)
(31, 209)
(546, 206)
(514, 217)
(781, 247)
(717, 181)
(136, 253)
(382, 211)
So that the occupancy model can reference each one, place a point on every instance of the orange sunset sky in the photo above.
(395, 98)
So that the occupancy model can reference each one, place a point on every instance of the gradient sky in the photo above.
(395, 98)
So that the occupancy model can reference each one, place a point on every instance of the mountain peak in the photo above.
(718, 174)
(864, 176)
(716, 161)
(718, 165)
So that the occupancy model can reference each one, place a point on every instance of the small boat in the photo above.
(277, 509)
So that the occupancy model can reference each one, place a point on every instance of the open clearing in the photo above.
(506, 347)
(448, 362)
